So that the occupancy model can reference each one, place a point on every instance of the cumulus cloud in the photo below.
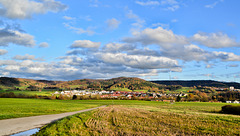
(226, 56)
(138, 61)
(29, 68)
(162, 37)
(112, 23)
(22, 9)
(71, 60)
(43, 45)
(15, 37)
(215, 40)
(118, 47)
(188, 53)
(3, 52)
(69, 68)
(27, 57)
(85, 44)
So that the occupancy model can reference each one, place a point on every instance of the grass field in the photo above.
(126, 117)
(14, 108)
(122, 89)
(30, 93)
(148, 118)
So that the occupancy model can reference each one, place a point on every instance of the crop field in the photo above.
(148, 118)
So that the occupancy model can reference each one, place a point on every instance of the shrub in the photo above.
(230, 109)
(61, 97)
(74, 97)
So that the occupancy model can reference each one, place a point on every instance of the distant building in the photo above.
(231, 88)
(236, 102)
(228, 101)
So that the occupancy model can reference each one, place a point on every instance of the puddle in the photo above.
(27, 133)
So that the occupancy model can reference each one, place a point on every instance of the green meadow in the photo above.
(16, 107)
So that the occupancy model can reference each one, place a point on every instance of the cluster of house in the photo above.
(117, 94)
(233, 102)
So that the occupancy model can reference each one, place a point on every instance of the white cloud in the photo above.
(138, 21)
(213, 4)
(71, 60)
(148, 3)
(43, 45)
(169, 2)
(173, 8)
(21, 9)
(85, 44)
(161, 25)
(226, 56)
(27, 57)
(118, 47)
(15, 37)
(215, 40)
(3, 52)
(162, 37)
(112, 23)
(68, 18)
(87, 31)
(188, 53)
(138, 61)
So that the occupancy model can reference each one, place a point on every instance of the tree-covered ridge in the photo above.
(192, 83)
(109, 84)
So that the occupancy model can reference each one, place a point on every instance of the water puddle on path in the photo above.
(27, 133)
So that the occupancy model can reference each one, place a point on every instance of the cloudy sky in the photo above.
(149, 39)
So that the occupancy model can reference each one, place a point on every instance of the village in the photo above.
(117, 94)
(170, 97)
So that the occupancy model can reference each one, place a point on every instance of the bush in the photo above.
(230, 109)
(61, 97)
(74, 97)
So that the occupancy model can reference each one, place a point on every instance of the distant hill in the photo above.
(192, 83)
(110, 84)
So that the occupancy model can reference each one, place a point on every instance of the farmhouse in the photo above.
(236, 102)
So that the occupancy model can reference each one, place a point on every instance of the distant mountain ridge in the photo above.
(191, 83)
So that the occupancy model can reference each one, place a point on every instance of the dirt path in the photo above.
(12, 126)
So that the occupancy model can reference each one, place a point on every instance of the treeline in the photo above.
(231, 109)
(228, 96)
(192, 83)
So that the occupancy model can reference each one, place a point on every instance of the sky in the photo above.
(102, 39)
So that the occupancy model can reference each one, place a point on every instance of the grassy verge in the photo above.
(125, 120)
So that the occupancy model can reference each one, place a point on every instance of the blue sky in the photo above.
(102, 39)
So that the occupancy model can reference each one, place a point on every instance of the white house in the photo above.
(236, 102)
(228, 101)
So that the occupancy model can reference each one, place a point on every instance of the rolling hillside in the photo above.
(122, 83)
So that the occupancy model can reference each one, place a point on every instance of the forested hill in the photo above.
(191, 83)
(110, 84)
